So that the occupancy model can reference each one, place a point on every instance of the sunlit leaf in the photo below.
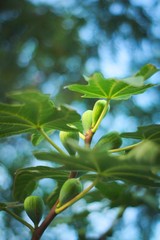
(112, 88)
(147, 71)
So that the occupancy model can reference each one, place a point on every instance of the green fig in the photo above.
(111, 140)
(33, 205)
(66, 137)
(71, 188)
(87, 120)
(97, 111)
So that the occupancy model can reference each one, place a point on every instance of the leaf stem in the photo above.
(50, 141)
(14, 205)
(19, 219)
(76, 198)
(94, 129)
(125, 148)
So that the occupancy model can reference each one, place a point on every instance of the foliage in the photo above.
(30, 56)
(36, 111)
(113, 172)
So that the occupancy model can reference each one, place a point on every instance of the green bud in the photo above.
(111, 140)
(33, 205)
(66, 137)
(71, 188)
(87, 120)
(97, 111)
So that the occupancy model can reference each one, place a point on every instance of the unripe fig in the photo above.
(111, 140)
(33, 205)
(87, 120)
(66, 137)
(97, 111)
(71, 188)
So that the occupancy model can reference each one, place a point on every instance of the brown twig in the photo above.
(88, 137)
(40, 230)
(73, 174)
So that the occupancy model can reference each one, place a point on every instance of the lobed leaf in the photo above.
(121, 194)
(150, 132)
(33, 111)
(112, 88)
(131, 168)
(86, 160)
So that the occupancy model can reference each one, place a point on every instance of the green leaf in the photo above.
(112, 88)
(87, 159)
(140, 166)
(150, 132)
(147, 71)
(96, 162)
(111, 190)
(70, 162)
(34, 111)
(121, 194)
(148, 152)
(26, 179)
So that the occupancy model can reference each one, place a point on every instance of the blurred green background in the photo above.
(46, 45)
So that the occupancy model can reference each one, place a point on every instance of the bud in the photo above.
(87, 120)
(33, 205)
(97, 111)
(71, 188)
(66, 137)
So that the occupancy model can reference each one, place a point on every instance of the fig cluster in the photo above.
(91, 117)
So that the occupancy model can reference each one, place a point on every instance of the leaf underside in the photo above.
(33, 111)
(103, 165)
